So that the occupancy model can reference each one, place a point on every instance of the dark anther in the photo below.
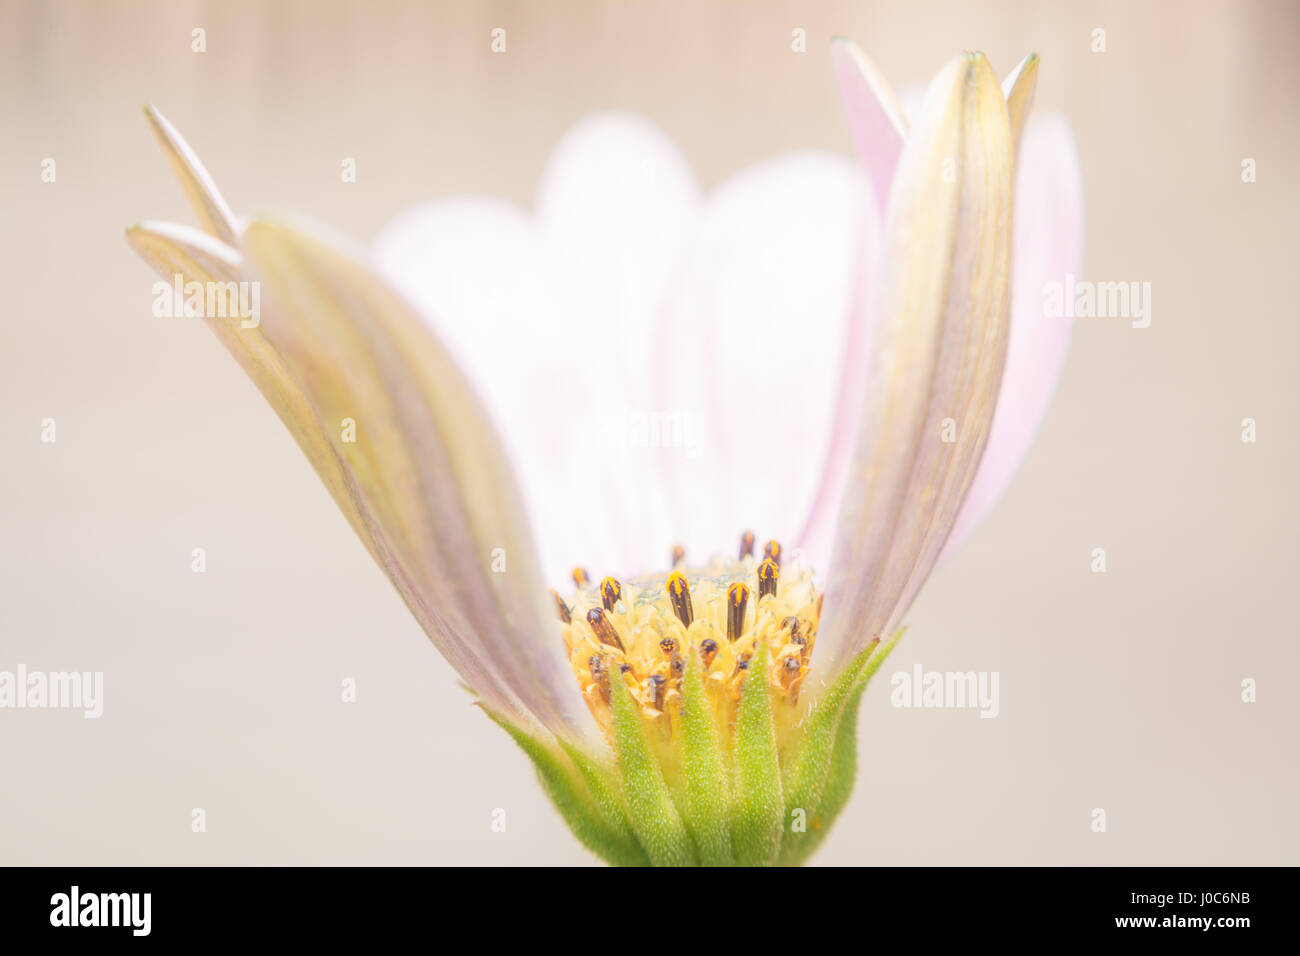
(747, 545)
(611, 592)
(737, 601)
(679, 594)
(562, 609)
(768, 572)
(603, 628)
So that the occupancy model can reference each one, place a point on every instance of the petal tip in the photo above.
(875, 117)
(213, 213)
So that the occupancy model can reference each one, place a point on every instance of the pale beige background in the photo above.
(1119, 691)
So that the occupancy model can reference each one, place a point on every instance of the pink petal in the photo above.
(1049, 218)
(875, 118)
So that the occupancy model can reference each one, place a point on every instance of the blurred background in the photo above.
(1119, 691)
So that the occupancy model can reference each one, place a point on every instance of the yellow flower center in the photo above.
(646, 630)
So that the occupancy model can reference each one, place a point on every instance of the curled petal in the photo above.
(1048, 247)
(420, 475)
(487, 624)
(442, 515)
(937, 354)
(182, 250)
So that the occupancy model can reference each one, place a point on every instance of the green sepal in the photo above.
(626, 813)
(758, 809)
(875, 660)
(707, 796)
(844, 759)
(653, 817)
(839, 783)
(809, 778)
(564, 784)
(604, 787)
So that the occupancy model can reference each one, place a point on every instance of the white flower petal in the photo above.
(754, 343)
(554, 316)
(628, 350)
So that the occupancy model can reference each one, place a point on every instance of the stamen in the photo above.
(789, 672)
(603, 628)
(644, 631)
(562, 609)
(658, 687)
(795, 627)
(679, 594)
(768, 572)
(737, 600)
(790, 676)
(676, 665)
(600, 674)
(611, 592)
(708, 650)
(746, 545)
(740, 674)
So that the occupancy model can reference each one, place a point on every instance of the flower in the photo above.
(726, 701)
